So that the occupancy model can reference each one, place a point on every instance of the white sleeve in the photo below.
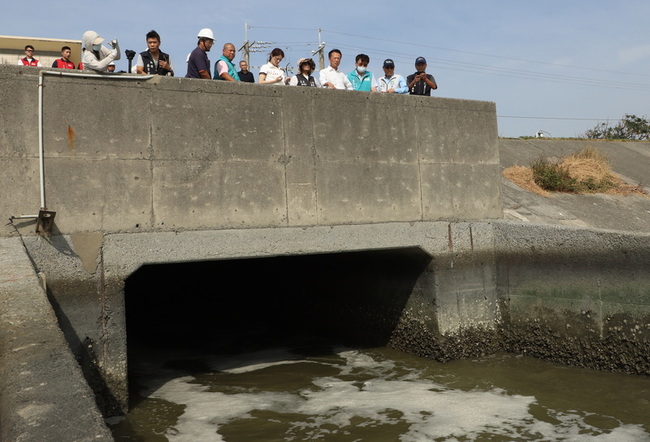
(322, 76)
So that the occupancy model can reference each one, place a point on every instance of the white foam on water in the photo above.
(430, 410)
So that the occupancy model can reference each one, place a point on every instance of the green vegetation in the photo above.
(585, 172)
(630, 127)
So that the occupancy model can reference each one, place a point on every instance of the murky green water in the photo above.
(377, 394)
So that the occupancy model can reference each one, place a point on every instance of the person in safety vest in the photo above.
(360, 77)
(64, 62)
(224, 69)
(154, 61)
(28, 59)
(306, 67)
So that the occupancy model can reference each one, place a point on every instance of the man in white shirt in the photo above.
(330, 77)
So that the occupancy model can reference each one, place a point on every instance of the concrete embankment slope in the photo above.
(43, 394)
(630, 160)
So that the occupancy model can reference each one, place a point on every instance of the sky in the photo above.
(557, 66)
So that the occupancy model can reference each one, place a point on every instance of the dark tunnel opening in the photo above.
(247, 304)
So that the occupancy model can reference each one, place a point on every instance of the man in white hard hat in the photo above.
(198, 64)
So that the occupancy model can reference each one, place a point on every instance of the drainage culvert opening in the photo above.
(247, 304)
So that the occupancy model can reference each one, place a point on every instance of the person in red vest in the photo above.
(64, 62)
(29, 59)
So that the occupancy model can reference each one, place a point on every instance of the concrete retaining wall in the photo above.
(178, 154)
(575, 296)
(43, 394)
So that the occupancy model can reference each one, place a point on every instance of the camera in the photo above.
(129, 54)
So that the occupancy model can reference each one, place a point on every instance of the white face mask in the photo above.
(97, 47)
(361, 69)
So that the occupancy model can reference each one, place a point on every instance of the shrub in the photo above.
(552, 176)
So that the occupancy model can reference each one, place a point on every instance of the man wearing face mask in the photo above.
(421, 83)
(97, 57)
(361, 79)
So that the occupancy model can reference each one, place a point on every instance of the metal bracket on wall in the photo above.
(45, 222)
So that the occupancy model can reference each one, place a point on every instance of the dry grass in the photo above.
(589, 165)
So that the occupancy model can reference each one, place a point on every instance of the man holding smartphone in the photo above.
(421, 83)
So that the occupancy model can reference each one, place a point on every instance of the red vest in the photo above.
(62, 64)
(26, 62)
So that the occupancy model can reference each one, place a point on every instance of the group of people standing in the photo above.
(360, 79)
(153, 61)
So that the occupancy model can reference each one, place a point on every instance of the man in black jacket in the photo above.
(154, 61)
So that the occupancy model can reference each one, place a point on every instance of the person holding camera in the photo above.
(421, 83)
(97, 57)
(154, 61)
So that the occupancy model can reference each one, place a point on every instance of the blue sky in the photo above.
(560, 66)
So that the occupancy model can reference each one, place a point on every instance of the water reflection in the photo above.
(379, 394)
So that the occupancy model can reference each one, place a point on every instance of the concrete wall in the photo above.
(172, 153)
(43, 394)
(87, 274)
(576, 296)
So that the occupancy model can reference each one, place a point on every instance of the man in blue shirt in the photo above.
(198, 64)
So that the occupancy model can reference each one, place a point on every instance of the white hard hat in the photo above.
(206, 33)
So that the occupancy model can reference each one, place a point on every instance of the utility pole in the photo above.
(320, 51)
(252, 46)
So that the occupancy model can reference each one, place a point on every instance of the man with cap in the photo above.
(198, 64)
(97, 57)
(391, 83)
(304, 78)
(421, 83)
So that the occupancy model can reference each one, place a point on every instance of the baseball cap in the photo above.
(388, 63)
(420, 60)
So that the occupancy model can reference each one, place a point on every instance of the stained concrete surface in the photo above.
(43, 394)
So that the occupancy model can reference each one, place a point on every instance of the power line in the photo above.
(488, 55)
(553, 118)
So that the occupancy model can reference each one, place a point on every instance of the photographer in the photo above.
(421, 83)
(97, 57)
